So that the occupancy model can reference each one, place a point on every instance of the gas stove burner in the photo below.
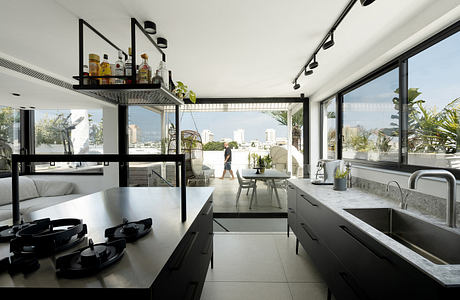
(19, 264)
(9, 232)
(48, 237)
(130, 231)
(91, 259)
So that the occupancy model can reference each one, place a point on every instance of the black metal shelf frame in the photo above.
(134, 24)
(122, 159)
(400, 63)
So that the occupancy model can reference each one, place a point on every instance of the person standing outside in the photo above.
(227, 161)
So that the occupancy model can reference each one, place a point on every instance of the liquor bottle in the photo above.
(157, 78)
(164, 75)
(105, 70)
(128, 67)
(119, 69)
(144, 70)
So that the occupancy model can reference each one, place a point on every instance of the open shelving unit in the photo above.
(125, 94)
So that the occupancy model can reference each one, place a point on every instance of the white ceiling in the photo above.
(226, 48)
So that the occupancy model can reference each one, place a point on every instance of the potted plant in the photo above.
(340, 179)
(183, 91)
(261, 164)
(267, 161)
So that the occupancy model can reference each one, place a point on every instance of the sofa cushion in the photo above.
(27, 189)
(35, 204)
(50, 188)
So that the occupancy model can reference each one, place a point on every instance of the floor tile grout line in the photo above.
(282, 265)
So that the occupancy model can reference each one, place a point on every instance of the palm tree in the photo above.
(297, 123)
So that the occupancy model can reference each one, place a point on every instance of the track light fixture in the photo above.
(329, 43)
(314, 64)
(366, 2)
(162, 43)
(296, 85)
(328, 40)
(150, 27)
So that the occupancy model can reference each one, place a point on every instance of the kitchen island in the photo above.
(170, 262)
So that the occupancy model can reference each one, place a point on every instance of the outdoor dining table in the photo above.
(268, 175)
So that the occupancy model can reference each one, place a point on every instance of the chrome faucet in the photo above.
(403, 203)
(451, 212)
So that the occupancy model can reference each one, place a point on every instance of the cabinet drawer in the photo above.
(340, 281)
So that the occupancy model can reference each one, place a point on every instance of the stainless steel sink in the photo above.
(433, 242)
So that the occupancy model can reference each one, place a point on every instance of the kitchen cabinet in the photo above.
(353, 264)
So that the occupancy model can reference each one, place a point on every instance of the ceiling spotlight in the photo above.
(314, 64)
(150, 27)
(329, 43)
(366, 2)
(296, 85)
(309, 72)
(162, 43)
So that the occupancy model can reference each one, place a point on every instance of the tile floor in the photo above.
(263, 266)
(225, 197)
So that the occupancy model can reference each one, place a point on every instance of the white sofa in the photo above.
(34, 194)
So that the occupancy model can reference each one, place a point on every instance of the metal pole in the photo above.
(123, 172)
(178, 145)
(15, 190)
(403, 112)
(80, 51)
(306, 137)
(183, 196)
(133, 51)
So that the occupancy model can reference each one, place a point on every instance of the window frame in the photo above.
(400, 63)
(322, 110)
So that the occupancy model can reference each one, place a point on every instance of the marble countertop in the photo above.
(337, 201)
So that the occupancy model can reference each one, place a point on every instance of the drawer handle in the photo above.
(307, 230)
(208, 211)
(350, 233)
(208, 245)
(311, 203)
(180, 260)
(290, 186)
(291, 210)
(353, 285)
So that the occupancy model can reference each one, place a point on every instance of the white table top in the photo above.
(268, 174)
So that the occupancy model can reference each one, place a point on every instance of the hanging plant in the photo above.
(182, 91)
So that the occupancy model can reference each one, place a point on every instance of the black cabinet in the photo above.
(185, 272)
(353, 264)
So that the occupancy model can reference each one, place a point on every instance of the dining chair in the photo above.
(278, 184)
(245, 184)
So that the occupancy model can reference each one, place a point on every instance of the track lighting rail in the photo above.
(329, 33)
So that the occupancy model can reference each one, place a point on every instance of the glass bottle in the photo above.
(157, 78)
(164, 75)
(119, 69)
(105, 70)
(128, 67)
(94, 68)
(144, 70)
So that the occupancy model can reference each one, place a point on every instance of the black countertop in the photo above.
(143, 260)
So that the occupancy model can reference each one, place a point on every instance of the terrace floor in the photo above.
(225, 197)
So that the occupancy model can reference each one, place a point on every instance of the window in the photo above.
(433, 105)
(370, 120)
(9, 137)
(144, 130)
(75, 131)
(329, 132)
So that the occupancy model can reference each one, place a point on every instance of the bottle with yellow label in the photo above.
(144, 71)
(106, 70)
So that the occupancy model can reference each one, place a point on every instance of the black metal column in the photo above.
(15, 190)
(306, 137)
(403, 113)
(178, 145)
(339, 125)
(183, 199)
(123, 170)
(27, 137)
